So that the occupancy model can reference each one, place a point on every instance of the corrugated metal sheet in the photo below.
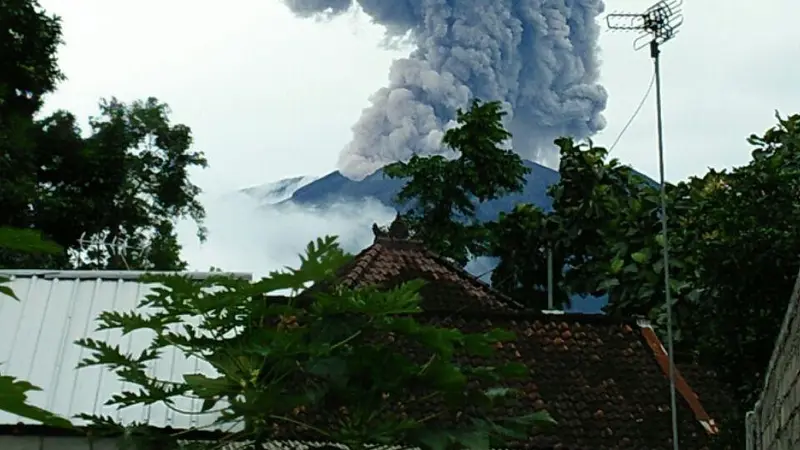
(76, 443)
(37, 338)
(56, 443)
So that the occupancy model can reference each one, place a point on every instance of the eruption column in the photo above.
(537, 56)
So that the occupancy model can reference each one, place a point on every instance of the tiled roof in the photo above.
(605, 381)
(391, 261)
(598, 377)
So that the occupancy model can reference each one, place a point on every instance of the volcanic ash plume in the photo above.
(538, 56)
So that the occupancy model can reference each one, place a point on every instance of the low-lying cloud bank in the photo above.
(247, 236)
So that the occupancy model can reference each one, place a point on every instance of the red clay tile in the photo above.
(602, 379)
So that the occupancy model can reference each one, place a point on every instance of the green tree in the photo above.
(28, 71)
(323, 362)
(128, 180)
(607, 219)
(521, 240)
(441, 193)
(746, 233)
(734, 250)
(604, 226)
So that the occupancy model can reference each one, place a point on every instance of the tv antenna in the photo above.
(115, 247)
(657, 25)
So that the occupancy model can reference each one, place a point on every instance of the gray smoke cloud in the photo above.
(537, 56)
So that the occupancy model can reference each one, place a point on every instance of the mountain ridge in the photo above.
(278, 191)
(335, 187)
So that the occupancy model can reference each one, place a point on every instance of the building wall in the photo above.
(775, 422)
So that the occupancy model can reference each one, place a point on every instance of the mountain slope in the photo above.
(335, 187)
(277, 191)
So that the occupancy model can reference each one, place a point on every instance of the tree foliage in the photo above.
(734, 244)
(521, 240)
(28, 71)
(127, 180)
(442, 192)
(27, 59)
(321, 362)
(746, 225)
(734, 239)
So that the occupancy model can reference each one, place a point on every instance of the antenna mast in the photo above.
(657, 25)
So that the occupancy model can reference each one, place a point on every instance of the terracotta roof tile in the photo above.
(390, 261)
(602, 379)
(596, 376)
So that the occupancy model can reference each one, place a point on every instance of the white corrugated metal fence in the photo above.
(37, 338)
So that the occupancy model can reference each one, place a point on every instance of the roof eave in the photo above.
(114, 274)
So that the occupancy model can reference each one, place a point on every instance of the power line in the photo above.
(635, 112)
(549, 253)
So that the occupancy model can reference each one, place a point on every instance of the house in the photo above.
(774, 424)
(604, 380)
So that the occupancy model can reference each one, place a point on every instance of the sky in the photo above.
(270, 96)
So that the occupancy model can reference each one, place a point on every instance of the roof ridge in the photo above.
(474, 279)
(446, 262)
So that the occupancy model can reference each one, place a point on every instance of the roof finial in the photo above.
(398, 229)
(377, 231)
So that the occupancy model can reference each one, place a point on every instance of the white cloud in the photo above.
(246, 236)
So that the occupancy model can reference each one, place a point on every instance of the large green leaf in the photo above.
(204, 386)
(6, 290)
(26, 240)
(474, 440)
(435, 440)
(640, 257)
(616, 265)
(14, 400)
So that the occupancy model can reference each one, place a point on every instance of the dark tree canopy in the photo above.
(127, 180)
(28, 71)
(442, 192)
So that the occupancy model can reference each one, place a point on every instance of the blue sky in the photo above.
(269, 96)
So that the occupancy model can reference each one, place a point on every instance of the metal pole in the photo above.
(549, 278)
(655, 54)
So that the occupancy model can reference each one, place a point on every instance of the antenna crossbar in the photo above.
(658, 24)
(116, 246)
